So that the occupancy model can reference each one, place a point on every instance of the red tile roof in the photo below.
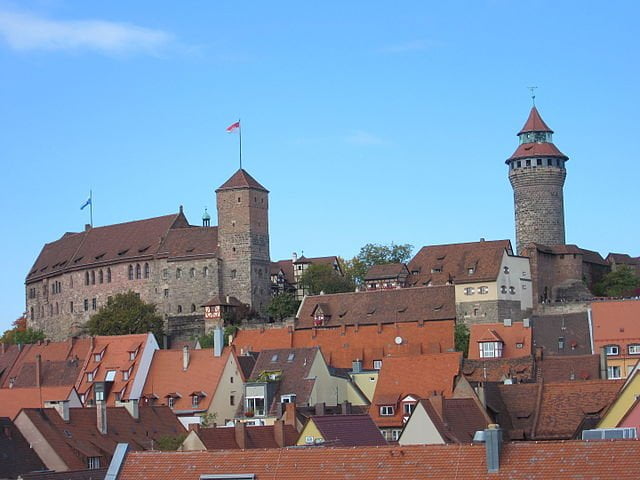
(190, 242)
(387, 270)
(615, 322)
(518, 461)
(17, 456)
(12, 400)
(8, 355)
(459, 419)
(202, 374)
(224, 438)
(499, 369)
(535, 123)
(528, 150)
(416, 375)
(380, 306)
(348, 430)
(241, 179)
(568, 367)
(76, 440)
(341, 346)
(510, 337)
(440, 264)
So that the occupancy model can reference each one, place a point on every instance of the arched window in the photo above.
(138, 271)
(109, 275)
(146, 270)
(205, 271)
(93, 277)
(130, 272)
(100, 276)
(192, 273)
(179, 308)
(86, 278)
(193, 307)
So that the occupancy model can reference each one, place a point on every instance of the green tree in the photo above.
(373, 254)
(323, 278)
(20, 333)
(461, 336)
(618, 283)
(283, 305)
(124, 314)
(170, 443)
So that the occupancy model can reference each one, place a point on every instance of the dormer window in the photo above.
(471, 270)
(387, 410)
(612, 350)
(288, 398)
(97, 357)
(490, 349)
(133, 354)
(377, 364)
(634, 349)
(318, 319)
(195, 400)
(436, 269)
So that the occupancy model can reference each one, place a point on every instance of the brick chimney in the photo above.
(320, 408)
(240, 430)
(436, 402)
(278, 433)
(101, 414)
(38, 370)
(346, 408)
(290, 414)
(185, 358)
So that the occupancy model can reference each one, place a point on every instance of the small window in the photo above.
(108, 275)
(166, 293)
(86, 278)
(93, 463)
(232, 400)
(483, 290)
(377, 364)
(612, 350)
(503, 289)
(195, 400)
(178, 273)
(125, 375)
(233, 274)
(471, 271)
(560, 343)
(94, 304)
(505, 269)
(519, 163)
(469, 291)
(86, 304)
(192, 272)
(274, 357)
(539, 162)
(436, 270)
(93, 277)
(634, 349)
(179, 308)
(512, 290)
(97, 357)
(165, 273)
(110, 376)
(130, 271)
(613, 372)
(90, 377)
(193, 307)
(170, 402)
(528, 162)
(132, 355)
(290, 357)
(205, 271)
(519, 345)
(408, 408)
(147, 270)
(387, 410)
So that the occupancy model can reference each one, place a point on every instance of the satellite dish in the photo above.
(398, 340)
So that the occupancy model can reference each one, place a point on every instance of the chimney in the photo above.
(346, 408)
(194, 427)
(218, 341)
(133, 408)
(240, 430)
(356, 366)
(437, 404)
(185, 358)
(101, 413)
(493, 443)
(38, 369)
(278, 433)
(290, 414)
(603, 363)
(526, 323)
(320, 408)
(294, 257)
(63, 410)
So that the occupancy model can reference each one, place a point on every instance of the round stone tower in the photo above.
(537, 173)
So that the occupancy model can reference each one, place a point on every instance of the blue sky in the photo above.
(368, 121)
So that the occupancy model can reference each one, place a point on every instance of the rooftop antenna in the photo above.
(533, 95)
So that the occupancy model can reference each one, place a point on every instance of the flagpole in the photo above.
(91, 208)
(240, 136)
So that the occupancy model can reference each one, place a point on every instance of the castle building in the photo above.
(537, 173)
(167, 261)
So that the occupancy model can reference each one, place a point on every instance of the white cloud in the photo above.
(24, 31)
(360, 137)
(412, 46)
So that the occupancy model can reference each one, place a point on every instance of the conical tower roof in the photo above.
(535, 123)
(241, 179)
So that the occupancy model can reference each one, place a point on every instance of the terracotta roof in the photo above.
(76, 440)
(511, 337)
(622, 258)
(499, 369)
(535, 123)
(167, 375)
(92, 474)
(225, 300)
(8, 355)
(348, 430)
(572, 327)
(439, 264)
(569, 367)
(342, 345)
(388, 270)
(529, 150)
(16, 455)
(190, 242)
(380, 306)
(459, 420)
(61, 363)
(105, 245)
(246, 362)
(317, 260)
(115, 357)
(589, 256)
(518, 461)
(12, 400)
(295, 365)
(241, 179)
(521, 402)
(616, 322)
(416, 375)
(224, 438)
(286, 266)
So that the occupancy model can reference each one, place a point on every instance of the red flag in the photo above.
(233, 126)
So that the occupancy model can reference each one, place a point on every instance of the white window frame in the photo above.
(377, 364)
(395, 434)
(110, 376)
(93, 463)
(483, 290)
(614, 372)
(408, 408)
(612, 350)
(490, 349)
(387, 410)
(634, 349)
(469, 291)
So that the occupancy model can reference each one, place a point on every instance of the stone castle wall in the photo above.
(539, 205)
(490, 311)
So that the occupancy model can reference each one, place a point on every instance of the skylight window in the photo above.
(291, 357)
(274, 357)
(110, 376)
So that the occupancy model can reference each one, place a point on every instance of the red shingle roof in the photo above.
(459, 420)
(528, 150)
(616, 322)
(348, 430)
(241, 179)
(387, 270)
(610, 460)
(535, 123)
(511, 337)
(224, 438)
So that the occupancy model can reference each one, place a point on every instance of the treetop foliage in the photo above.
(21, 334)
(374, 254)
(124, 314)
(618, 283)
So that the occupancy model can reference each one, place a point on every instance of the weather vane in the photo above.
(533, 94)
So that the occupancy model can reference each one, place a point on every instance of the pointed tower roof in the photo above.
(241, 179)
(535, 123)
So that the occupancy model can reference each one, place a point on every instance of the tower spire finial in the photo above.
(533, 95)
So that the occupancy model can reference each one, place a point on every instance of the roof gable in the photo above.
(240, 180)
(534, 123)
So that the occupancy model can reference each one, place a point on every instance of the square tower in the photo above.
(243, 240)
